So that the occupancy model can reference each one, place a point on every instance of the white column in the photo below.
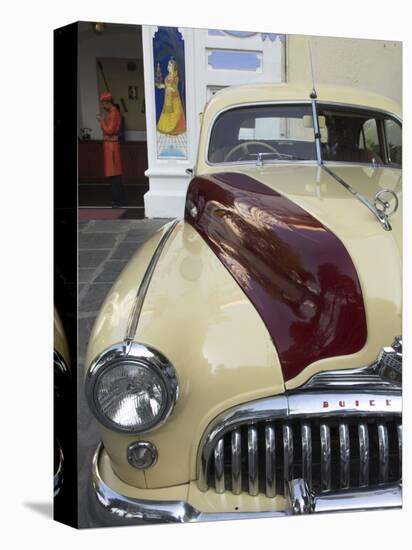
(168, 180)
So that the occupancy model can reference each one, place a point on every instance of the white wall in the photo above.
(123, 41)
(373, 65)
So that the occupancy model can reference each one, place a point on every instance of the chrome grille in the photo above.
(258, 454)
(328, 454)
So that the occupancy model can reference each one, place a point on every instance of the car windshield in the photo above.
(275, 133)
(271, 132)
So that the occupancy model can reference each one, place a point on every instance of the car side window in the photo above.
(393, 134)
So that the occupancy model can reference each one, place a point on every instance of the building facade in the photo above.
(170, 73)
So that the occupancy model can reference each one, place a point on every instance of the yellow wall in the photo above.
(374, 65)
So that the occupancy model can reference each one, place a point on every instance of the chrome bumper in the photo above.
(380, 497)
(301, 501)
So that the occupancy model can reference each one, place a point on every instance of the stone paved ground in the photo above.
(104, 248)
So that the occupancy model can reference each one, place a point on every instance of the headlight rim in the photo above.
(142, 355)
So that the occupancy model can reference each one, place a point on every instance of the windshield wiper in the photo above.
(279, 156)
(379, 214)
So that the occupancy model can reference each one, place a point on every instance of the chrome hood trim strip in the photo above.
(144, 285)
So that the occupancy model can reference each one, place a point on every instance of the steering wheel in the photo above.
(245, 148)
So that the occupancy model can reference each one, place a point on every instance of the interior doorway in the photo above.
(111, 60)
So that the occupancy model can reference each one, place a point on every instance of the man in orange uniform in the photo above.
(111, 125)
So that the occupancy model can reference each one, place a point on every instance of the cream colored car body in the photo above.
(200, 319)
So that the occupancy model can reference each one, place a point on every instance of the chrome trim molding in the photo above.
(349, 379)
(310, 162)
(144, 285)
(287, 452)
(341, 163)
(253, 465)
(363, 454)
(306, 453)
(325, 103)
(344, 455)
(325, 457)
(219, 467)
(383, 374)
(143, 355)
(270, 461)
(236, 462)
(300, 500)
(383, 453)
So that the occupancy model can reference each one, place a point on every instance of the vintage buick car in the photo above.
(248, 360)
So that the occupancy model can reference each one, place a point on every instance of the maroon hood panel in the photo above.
(297, 274)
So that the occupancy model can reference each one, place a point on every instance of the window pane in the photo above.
(351, 136)
(394, 139)
(370, 138)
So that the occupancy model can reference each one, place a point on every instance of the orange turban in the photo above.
(106, 96)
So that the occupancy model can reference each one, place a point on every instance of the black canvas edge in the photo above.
(65, 71)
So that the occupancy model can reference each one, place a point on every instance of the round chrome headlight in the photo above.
(131, 388)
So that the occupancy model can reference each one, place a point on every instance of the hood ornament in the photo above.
(382, 204)
(389, 363)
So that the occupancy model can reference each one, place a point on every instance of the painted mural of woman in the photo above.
(172, 120)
